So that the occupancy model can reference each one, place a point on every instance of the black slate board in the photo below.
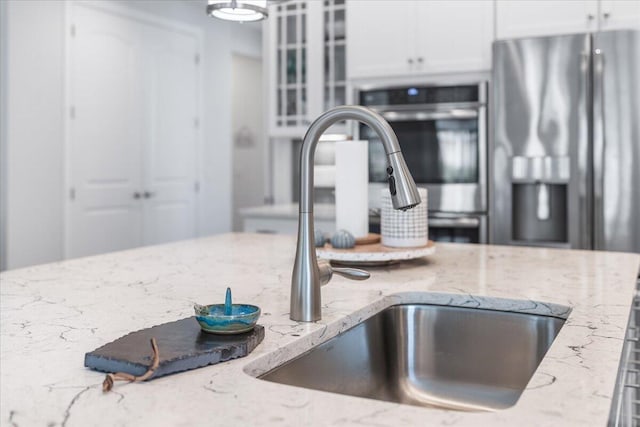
(182, 346)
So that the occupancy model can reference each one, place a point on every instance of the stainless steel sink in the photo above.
(427, 355)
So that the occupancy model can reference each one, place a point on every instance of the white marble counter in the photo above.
(52, 314)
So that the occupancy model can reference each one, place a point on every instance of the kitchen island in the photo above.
(52, 314)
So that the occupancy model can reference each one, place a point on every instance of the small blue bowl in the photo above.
(212, 318)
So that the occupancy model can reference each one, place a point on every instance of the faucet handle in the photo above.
(327, 271)
(352, 273)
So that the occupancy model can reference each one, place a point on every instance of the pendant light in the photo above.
(238, 10)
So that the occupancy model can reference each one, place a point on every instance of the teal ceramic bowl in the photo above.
(212, 318)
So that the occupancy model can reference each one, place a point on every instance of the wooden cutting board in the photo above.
(370, 239)
(181, 345)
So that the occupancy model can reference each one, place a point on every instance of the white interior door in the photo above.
(105, 134)
(172, 124)
(133, 91)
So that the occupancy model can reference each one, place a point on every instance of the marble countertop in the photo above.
(52, 314)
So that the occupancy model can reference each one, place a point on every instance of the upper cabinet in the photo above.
(454, 36)
(306, 63)
(525, 18)
(380, 38)
(335, 54)
(288, 36)
(619, 14)
(408, 37)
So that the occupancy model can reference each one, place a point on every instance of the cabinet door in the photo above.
(454, 36)
(306, 63)
(379, 38)
(619, 14)
(334, 54)
(289, 55)
(526, 18)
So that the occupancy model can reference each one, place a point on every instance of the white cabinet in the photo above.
(379, 39)
(288, 53)
(525, 18)
(306, 63)
(454, 36)
(619, 14)
(408, 37)
(335, 54)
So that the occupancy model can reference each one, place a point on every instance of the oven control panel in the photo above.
(420, 95)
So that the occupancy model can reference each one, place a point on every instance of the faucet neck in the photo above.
(320, 125)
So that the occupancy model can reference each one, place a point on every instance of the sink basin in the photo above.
(427, 355)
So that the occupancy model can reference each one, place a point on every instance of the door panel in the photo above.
(617, 140)
(105, 134)
(619, 14)
(525, 18)
(541, 136)
(463, 44)
(378, 38)
(170, 161)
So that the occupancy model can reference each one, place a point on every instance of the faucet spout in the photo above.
(305, 281)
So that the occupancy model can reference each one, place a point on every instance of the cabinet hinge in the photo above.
(196, 187)
(196, 59)
(72, 193)
(72, 30)
(72, 112)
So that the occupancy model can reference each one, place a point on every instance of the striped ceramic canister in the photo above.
(403, 229)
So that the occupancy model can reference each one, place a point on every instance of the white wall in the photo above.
(246, 39)
(3, 135)
(248, 154)
(34, 132)
(35, 173)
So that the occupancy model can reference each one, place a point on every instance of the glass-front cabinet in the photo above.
(306, 63)
(291, 64)
(335, 72)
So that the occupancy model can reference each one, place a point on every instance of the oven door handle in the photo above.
(455, 113)
(467, 222)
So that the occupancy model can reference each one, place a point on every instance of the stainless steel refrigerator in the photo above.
(565, 137)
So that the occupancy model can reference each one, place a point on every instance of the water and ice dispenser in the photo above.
(539, 199)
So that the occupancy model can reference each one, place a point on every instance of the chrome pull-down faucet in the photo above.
(306, 279)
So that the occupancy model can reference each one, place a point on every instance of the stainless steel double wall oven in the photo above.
(443, 135)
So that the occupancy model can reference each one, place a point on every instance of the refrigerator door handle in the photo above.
(585, 162)
(598, 149)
